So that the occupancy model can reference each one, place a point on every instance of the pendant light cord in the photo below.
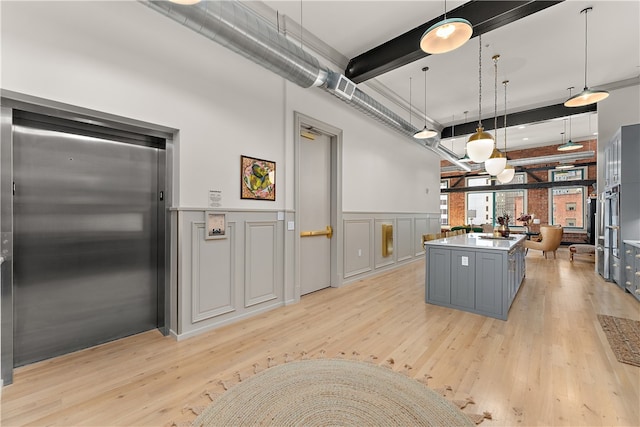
(495, 98)
(425, 96)
(425, 69)
(505, 116)
(585, 46)
(569, 89)
(453, 129)
(410, 111)
(480, 81)
(445, 9)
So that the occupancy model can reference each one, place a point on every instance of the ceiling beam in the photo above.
(484, 15)
(527, 186)
(526, 117)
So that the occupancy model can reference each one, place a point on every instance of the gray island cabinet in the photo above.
(475, 273)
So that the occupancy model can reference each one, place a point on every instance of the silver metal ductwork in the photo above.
(554, 158)
(237, 27)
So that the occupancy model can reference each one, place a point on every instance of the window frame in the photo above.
(492, 215)
(583, 200)
(444, 183)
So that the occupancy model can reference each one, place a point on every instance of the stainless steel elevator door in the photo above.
(85, 250)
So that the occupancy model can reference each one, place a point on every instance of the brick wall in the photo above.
(537, 199)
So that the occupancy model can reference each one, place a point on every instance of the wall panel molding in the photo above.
(260, 269)
(381, 261)
(404, 239)
(212, 273)
(358, 257)
(408, 231)
(421, 226)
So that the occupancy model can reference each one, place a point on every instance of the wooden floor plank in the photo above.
(549, 364)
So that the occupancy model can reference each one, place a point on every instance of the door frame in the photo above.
(335, 136)
(10, 101)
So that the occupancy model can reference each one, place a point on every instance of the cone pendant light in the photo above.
(480, 144)
(569, 146)
(426, 132)
(587, 96)
(465, 158)
(564, 165)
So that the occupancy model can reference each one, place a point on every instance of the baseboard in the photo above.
(227, 321)
(377, 271)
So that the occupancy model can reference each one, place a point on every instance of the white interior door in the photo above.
(315, 213)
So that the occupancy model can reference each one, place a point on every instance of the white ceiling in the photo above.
(541, 55)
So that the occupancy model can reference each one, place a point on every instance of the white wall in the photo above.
(125, 59)
(149, 68)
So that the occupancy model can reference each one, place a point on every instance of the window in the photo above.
(444, 203)
(490, 205)
(567, 202)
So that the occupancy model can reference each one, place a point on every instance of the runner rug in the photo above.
(623, 336)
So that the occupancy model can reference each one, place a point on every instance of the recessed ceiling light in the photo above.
(595, 133)
(521, 127)
(525, 139)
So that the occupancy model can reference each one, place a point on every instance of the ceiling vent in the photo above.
(341, 85)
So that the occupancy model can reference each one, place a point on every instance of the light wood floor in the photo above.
(549, 364)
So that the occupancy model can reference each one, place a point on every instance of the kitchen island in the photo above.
(475, 272)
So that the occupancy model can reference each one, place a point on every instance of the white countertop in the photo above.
(477, 241)
(635, 243)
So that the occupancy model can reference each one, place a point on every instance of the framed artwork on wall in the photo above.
(216, 225)
(257, 179)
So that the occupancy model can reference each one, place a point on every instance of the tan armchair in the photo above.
(551, 237)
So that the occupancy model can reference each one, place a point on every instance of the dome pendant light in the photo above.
(587, 96)
(496, 163)
(446, 35)
(480, 144)
(569, 146)
(509, 171)
(425, 133)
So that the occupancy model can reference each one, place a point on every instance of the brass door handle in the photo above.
(326, 232)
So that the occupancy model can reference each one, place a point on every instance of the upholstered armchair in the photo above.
(550, 239)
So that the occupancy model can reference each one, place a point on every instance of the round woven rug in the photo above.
(331, 392)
